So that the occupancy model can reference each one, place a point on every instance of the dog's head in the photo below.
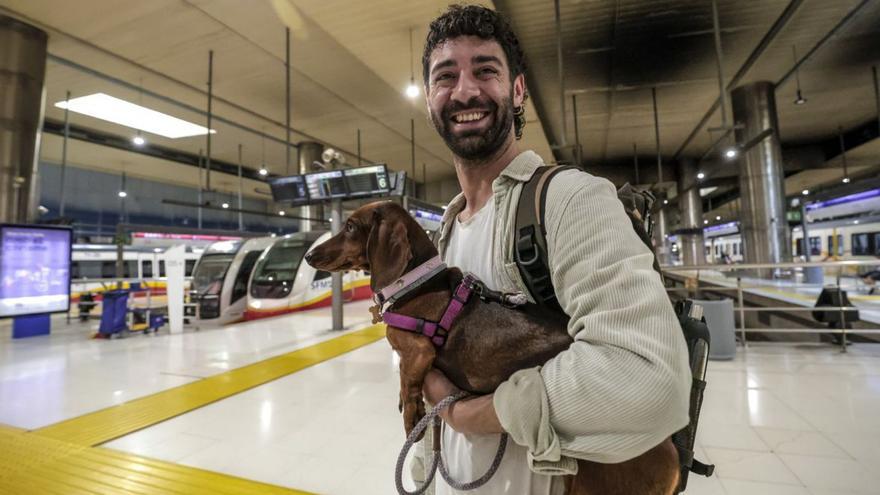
(381, 238)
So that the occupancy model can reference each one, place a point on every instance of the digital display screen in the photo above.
(289, 189)
(326, 185)
(367, 181)
(34, 269)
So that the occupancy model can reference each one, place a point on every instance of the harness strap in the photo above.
(436, 331)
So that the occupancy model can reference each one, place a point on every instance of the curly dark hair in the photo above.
(476, 20)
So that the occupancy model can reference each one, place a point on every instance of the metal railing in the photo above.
(781, 272)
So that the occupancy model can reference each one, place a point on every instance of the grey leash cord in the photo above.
(437, 459)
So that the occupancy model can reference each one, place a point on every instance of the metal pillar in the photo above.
(691, 207)
(336, 288)
(661, 232)
(64, 155)
(22, 75)
(210, 114)
(310, 152)
(240, 184)
(763, 226)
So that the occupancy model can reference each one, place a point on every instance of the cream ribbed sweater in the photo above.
(623, 386)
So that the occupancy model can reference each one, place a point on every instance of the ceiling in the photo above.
(351, 62)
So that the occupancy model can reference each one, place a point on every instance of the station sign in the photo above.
(351, 183)
(34, 269)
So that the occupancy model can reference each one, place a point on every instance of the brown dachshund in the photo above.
(486, 344)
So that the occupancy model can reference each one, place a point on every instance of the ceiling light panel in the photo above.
(111, 109)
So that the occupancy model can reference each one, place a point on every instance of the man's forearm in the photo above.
(474, 416)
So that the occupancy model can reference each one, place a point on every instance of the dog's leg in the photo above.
(417, 355)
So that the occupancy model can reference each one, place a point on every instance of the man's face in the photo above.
(471, 97)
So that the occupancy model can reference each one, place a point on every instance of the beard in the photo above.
(477, 145)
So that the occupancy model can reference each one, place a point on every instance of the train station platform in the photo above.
(284, 405)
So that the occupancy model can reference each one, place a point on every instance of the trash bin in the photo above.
(719, 319)
(113, 312)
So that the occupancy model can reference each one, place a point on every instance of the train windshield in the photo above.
(208, 275)
(275, 273)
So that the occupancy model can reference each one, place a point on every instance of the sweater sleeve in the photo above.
(623, 385)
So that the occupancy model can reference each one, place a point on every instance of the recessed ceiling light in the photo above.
(718, 217)
(225, 205)
(701, 176)
(111, 109)
(263, 171)
(846, 180)
(281, 213)
(705, 222)
(805, 192)
(731, 153)
(122, 194)
(138, 141)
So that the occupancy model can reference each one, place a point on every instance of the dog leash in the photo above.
(437, 458)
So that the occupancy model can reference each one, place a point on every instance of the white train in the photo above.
(282, 283)
(220, 279)
(93, 269)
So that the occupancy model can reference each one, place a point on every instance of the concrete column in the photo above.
(22, 91)
(310, 152)
(763, 226)
(690, 205)
(661, 232)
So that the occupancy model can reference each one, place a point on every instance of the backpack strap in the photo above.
(530, 237)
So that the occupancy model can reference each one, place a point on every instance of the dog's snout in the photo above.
(309, 256)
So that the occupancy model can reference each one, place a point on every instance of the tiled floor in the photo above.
(780, 419)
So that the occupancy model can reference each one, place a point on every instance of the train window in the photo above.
(239, 289)
(815, 246)
(161, 268)
(208, 278)
(876, 243)
(735, 249)
(188, 268)
(861, 244)
(839, 244)
(321, 275)
(146, 268)
(799, 247)
(275, 272)
(87, 269)
(708, 250)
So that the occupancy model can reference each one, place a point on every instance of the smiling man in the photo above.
(623, 386)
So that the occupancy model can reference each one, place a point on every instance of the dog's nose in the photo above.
(308, 256)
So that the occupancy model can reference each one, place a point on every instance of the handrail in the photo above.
(739, 290)
(750, 266)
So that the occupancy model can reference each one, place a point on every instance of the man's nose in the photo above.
(466, 89)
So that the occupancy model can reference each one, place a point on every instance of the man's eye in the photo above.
(443, 77)
(488, 70)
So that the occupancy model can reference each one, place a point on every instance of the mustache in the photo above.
(472, 104)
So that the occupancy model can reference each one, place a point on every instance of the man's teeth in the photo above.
(468, 117)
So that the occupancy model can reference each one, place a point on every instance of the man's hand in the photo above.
(471, 416)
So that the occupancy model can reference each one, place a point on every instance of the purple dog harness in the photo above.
(436, 331)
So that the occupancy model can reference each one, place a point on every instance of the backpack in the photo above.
(530, 254)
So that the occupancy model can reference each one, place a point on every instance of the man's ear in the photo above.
(388, 250)
(519, 90)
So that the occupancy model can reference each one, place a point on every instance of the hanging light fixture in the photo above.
(845, 179)
(139, 140)
(412, 91)
(263, 170)
(800, 100)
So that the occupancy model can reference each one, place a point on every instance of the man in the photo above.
(623, 386)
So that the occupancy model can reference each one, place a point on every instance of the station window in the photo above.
(861, 244)
(815, 246)
(161, 268)
(799, 247)
(876, 236)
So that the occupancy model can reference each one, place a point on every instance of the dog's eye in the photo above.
(349, 227)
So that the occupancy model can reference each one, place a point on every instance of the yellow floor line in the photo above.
(113, 422)
(33, 464)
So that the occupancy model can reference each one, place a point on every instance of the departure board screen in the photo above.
(289, 189)
(34, 269)
(367, 181)
(326, 185)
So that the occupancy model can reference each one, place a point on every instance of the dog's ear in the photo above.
(388, 249)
